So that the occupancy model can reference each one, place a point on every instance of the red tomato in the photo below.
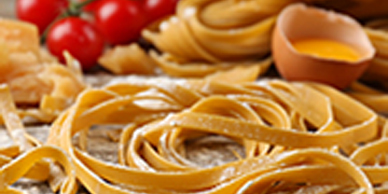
(120, 21)
(91, 6)
(79, 37)
(40, 12)
(157, 9)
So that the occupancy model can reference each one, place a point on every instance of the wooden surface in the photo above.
(7, 8)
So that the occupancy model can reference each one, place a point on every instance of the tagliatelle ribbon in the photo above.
(17, 168)
(24, 159)
(194, 34)
(261, 116)
(206, 36)
(297, 137)
(194, 43)
(377, 31)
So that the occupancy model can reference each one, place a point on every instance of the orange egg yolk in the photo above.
(325, 48)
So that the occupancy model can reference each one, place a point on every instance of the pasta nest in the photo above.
(297, 137)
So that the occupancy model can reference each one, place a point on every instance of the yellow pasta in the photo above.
(207, 36)
(376, 73)
(127, 59)
(377, 31)
(298, 137)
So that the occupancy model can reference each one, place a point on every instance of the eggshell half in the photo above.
(298, 21)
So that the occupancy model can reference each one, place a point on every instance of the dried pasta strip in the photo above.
(259, 185)
(188, 35)
(11, 191)
(216, 105)
(4, 160)
(15, 169)
(12, 121)
(378, 38)
(377, 174)
(342, 106)
(225, 126)
(196, 44)
(181, 94)
(184, 181)
(167, 148)
(359, 87)
(174, 68)
(40, 171)
(160, 163)
(377, 102)
(378, 34)
(128, 59)
(318, 114)
(149, 150)
(102, 186)
(10, 151)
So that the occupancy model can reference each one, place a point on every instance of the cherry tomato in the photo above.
(157, 9)
(91, 6)
(40, 12)
(120, 21)
(79, 37)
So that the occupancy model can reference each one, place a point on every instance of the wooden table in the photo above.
(7, 8)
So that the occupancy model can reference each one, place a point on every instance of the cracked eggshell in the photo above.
(299, 21)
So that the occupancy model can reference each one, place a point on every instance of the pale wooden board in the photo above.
(7, 8)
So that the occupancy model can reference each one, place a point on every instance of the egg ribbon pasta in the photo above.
(376, 74)
(377, 30)
(133, 59)
(28, 157)
(298, 137)
(222, 30)
(151, 150)
(216, 31)
(207, 36)
(195, 43)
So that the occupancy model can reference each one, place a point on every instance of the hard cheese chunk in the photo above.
(31, 74)
(19, 36)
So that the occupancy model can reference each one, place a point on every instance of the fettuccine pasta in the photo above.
(203, 37)
(377, 31)
(225, 30)
(216, 31)
(206, 36)
(298, 137)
